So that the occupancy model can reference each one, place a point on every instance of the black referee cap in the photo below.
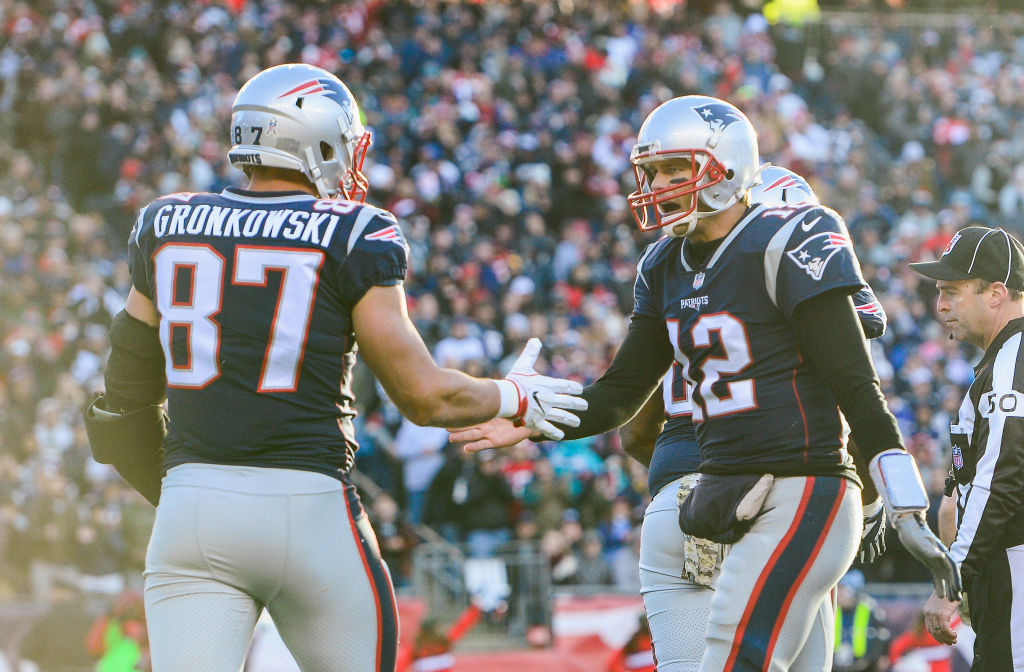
(979, 252)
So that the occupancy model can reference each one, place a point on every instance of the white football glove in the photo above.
(535, 401)
(899, 483)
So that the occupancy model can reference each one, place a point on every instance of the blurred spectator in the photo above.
(592, 569)
(576, 461)
(562, 561)
(915, 650)
(862, 638)
(57, 640)
(118, 639)
(547, 496)
(486, 507)
(421, 451)
(99, 548)
(443, 501)
(617, 530)
(459, 347)
(395, 536)
(1011, 196)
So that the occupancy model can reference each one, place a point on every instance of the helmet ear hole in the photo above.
(298, 102)
(326, 151)
(729, 174)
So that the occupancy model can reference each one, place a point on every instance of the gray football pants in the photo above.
(679, 609)
(772, 607)
(229, 541)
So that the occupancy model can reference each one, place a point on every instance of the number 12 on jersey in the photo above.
(190, 302)
(732, 336)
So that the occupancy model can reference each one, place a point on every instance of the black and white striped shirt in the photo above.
(988, 454)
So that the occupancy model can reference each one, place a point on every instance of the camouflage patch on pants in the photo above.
(700, 557)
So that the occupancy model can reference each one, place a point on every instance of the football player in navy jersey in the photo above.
(247, 308)
(678, 571)
(754, 303)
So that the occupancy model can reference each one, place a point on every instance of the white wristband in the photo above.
(509, 405)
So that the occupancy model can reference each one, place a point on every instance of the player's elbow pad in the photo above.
(134, 377)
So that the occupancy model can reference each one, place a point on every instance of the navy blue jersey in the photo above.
(757, 405)
(675, 452)
(255, 294)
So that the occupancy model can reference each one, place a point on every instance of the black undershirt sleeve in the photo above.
(831, 338)
(634, 374)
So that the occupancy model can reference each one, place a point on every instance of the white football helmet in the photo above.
(719, 142)
(302, 118)
(781, 186)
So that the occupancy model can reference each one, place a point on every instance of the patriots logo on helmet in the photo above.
(813, 254)
(718, 115)
(790, 181)
(315, 86)
(784, 182)
(958, 457)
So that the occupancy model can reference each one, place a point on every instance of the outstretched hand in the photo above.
(543, 400)
(496, 433)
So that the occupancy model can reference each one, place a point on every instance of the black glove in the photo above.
(872, 539)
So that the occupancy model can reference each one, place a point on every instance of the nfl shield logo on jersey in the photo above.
(698, 280)
(958, 457)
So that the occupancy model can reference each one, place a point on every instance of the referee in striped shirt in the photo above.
(980, 278)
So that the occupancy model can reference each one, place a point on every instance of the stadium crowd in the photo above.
(502, 135)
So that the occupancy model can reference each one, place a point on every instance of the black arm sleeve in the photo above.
(830, 337)
(134, 377)
(634, 374)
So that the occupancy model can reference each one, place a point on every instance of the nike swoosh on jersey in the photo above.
(808, 227)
